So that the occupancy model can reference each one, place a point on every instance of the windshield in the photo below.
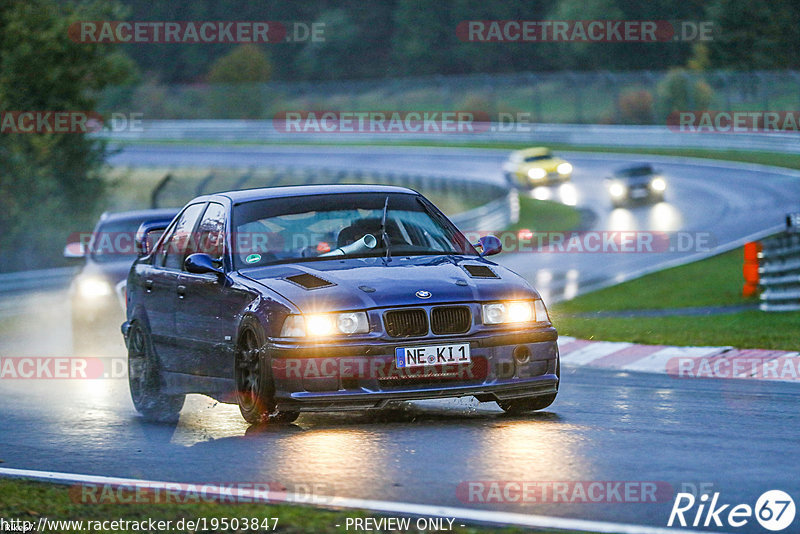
(540, 157)
(320, 227)
(632, 172)
(114, 241)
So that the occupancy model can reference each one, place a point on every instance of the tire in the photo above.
(255, 388)
(144, 379)
(528, 404)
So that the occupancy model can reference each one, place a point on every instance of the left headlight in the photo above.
(536, 173)
(514, 311)
(658, 184)
(93, 288)
(325, 324)
(564, 168)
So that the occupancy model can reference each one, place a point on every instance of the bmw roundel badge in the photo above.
(423, 294)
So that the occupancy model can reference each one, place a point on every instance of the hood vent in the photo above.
(480, 271)
(309, 281)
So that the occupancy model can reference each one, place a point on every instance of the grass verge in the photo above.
(716, 281)
(545, 215)
(29, 501)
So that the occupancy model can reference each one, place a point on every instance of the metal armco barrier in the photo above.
(264, 131)
(36, 280)
(779, 272)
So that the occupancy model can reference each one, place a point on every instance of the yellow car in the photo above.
(536, 166)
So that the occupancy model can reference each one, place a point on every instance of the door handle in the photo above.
(181, 291)
(148, 285)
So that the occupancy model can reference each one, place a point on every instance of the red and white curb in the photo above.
(682, 362)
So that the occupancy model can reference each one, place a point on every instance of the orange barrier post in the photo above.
(750, 268)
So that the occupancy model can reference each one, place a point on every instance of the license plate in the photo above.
(421, 356)
(639, 193)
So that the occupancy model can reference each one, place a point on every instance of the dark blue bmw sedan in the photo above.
(319, 298)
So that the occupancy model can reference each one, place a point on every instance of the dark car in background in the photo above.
(96, 293)
(319, 298)
(636, 183)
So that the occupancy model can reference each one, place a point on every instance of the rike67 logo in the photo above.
(774, 510)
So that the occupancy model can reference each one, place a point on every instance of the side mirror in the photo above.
(201, 263)
(489, 245)
(146, 238)
(75, 251)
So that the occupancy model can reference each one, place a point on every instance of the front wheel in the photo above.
(255, 390)
(144, 380)
(528, 404)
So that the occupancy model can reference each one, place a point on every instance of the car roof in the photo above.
(634, 166)
(247, 195)
(161, 213)
(534, 151)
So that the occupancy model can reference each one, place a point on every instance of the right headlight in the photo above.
(325, 324)
(514, 311)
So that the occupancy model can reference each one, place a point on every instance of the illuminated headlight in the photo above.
(536, 173)
(658, 184)
(517, 311)
(325, 324)
(564, 168)
(93, 288)
(617, 189)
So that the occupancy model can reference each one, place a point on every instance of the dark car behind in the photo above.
(636, 183)
(96, 305)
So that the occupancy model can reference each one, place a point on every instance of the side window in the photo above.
(175, 246)
(210, 235)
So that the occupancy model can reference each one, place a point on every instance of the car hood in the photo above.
(549, 165)
(364, 283)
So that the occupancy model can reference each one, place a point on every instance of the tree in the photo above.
(237, 78)
(51, 183)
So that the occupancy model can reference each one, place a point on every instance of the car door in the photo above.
(200, 323)
(160, 285)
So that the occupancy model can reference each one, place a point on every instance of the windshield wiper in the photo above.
(386, 241)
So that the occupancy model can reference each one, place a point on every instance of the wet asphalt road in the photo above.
(739, 436)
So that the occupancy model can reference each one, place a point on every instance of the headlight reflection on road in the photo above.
(523, 450)
(325, 453)
(665, 217)
(542, 193)
(621, 220)
(568, 194)
(571, 287)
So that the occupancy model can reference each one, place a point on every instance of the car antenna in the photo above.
(386, 241)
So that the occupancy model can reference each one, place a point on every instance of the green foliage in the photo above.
(636, 107)
(246, 63)
(755, 35)
(681, 90)
(50, 182)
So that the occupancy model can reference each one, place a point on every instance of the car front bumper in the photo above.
(314, 377)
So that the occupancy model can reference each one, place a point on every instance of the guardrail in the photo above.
(264, 131)
(24, 281)
(779, 272)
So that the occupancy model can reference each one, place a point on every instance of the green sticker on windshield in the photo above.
(253, 258)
